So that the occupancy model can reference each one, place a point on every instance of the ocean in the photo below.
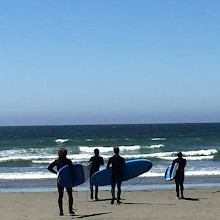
(26, 151)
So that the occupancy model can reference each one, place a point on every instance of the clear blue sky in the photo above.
(100, 61)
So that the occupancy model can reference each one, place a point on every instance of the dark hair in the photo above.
(96, 151)
(179, 154)
(116, 150)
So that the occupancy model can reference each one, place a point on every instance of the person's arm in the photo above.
(102, 162)
(174, 161)
(90, 160)
(72, 171)
(184, 163)
(109, 163)
(51, 166)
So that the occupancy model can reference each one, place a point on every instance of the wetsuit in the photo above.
(117, 174)
(179, 178)
(59, 163)
(96, 161)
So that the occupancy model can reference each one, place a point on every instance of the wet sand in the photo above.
(198, 204)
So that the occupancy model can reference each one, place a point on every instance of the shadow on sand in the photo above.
(100, 200)
(136, 203)
(145, 203)
(218, 191)
(91, 215)
(190, 199)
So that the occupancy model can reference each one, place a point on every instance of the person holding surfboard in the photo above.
(179, 178)
(96, 162)
(59, 163)
(116, 162)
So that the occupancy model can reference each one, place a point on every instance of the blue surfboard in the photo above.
(81, 175)
(131, 169)
(170, 174)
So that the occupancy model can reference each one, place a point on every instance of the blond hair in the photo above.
(62, 152)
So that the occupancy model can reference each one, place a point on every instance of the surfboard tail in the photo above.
(170, 174)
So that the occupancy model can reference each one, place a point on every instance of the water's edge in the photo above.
(155, 183)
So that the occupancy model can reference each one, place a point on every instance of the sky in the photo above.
(109, 62)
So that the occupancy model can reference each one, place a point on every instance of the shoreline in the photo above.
(107, 188)
(141, 204)
(153, 183)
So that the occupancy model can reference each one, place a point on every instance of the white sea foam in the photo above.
(6, 153)
(79, 157)
(109, 149)
(122, 148)
(26, 157)
(151, 174)
(190, 158)
(203, 173)
(42, 161)
(190, 155)
(187, 173)
(154, 146)
(48, 158)
(205, 155)
(158, 139)
(88, 139)
(91, 149)
(200, 152)
(60, 141)
(128, 152)
(47, 175)
(29, 151)
(27, 175)
(153, 155)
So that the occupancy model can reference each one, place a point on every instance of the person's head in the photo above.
(116, 150)
(179, 154)
(96, 152)
(62, 152)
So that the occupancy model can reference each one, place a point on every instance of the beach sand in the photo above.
(156, 204)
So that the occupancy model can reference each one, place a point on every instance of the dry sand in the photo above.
(156, 204)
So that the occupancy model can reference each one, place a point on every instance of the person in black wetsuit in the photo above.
(96, 161)
(59, 163)
(179, 178)
(117, 163)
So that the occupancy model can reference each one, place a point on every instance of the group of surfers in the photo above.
(116, 162)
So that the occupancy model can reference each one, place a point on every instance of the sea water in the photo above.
(26, 152)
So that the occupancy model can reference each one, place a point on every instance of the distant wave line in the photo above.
(109, 149)
(158, 139)
(122, 148)
(189, 155)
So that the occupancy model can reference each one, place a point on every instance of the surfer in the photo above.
(116, 162)
(59, 163)
(96, 162)
(179, 178)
